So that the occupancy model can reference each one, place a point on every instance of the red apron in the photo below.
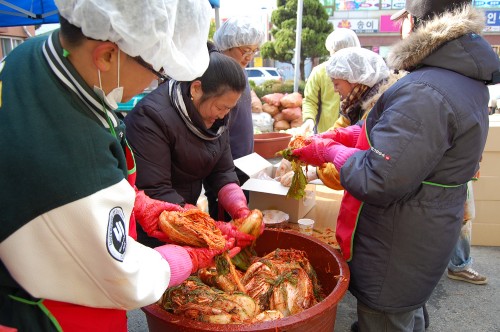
(350, 208)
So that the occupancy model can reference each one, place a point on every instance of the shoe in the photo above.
(426, 317)
(468, 275)
(355, 327)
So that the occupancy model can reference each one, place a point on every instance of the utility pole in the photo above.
(298, 35)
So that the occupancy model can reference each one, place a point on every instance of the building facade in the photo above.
(10, 37)
(370, 19)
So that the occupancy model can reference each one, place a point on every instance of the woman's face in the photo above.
(217, 107)
(343, 87)
(242, 54)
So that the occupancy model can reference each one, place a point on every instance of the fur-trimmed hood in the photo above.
(448, 41)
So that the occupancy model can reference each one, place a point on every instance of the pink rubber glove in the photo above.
(346, 136)
(233, 200)
(203, 257)
(179, 261)
(147, 213)
(242, 239)
(321, 151)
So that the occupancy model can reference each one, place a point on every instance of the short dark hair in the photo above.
(223, 74)
(72, 34)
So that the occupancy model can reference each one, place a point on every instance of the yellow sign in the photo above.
(257, 62)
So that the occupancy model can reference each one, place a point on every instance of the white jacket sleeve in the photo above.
(80, 253)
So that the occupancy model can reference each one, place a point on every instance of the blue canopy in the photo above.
(36, 12)
(27, 12)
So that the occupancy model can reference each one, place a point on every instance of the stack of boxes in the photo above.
(486, 226)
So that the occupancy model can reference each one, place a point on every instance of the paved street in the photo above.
(455, 306)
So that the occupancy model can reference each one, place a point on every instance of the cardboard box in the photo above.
(485, 234)
(267, 193)
(490, 164)
(486, 189)
(493, 139)
(487, 213)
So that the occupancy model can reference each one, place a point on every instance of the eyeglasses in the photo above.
(247, 52)
(161, 76)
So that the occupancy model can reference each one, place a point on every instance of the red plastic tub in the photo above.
(268, 144)
(333, 274)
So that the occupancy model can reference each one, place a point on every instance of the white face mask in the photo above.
(115, 96)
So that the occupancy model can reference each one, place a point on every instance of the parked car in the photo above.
(261, 74)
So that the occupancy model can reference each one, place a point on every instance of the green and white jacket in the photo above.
(65, 200)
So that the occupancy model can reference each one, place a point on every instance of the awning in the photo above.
(27, 12)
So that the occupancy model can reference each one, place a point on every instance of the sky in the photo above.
(228, 8)
(256, 8)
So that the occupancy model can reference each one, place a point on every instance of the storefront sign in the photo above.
(358, 25)
(486, 3)
(492, 21)
(398, 4)
(357, 5)
(386, 25)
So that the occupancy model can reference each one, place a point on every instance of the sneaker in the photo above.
(468, 275)
(426, 317)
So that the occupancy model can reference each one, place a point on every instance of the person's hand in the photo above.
(204, 257)
(233, 200)
(347, 136)
(286, 179)
(307, 127)
(147, 213)
(242, 239)
(320, 151)
(284, 167)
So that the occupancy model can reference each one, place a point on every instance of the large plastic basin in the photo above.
(268, 144)
(333, 274)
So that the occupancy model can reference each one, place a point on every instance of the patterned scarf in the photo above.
(351, 106)
(175, 93)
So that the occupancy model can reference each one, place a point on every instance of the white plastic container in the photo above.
(306, 226)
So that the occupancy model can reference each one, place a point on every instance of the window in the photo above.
(273, 72)
(8, 44)
(254, 73)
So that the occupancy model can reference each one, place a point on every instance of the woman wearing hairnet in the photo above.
(179, 135)
(360, 76)
(320, 108)
(68, 261)
(240, 39)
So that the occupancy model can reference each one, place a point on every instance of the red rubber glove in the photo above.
(147, 213)
(203, 257)
(346, 136)
(233, 200)
(242, 239)
(320, 151)
(188, 206)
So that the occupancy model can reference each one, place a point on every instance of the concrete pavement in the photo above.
(454, 306)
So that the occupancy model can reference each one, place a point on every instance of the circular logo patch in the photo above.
(116, 236)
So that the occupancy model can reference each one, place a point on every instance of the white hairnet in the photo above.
(168, 34)
(238, 31)
(341, 38)
(357, 65)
